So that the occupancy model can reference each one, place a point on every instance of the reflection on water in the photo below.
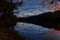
(33, 32)
(29, 27)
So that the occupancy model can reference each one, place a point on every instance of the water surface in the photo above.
(35, 32)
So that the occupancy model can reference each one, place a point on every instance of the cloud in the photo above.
(55, 7)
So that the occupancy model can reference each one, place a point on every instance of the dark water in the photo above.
(35, 32)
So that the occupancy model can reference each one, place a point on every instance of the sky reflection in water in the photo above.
(35, 32)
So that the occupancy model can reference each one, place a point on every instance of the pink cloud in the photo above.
(55, 7)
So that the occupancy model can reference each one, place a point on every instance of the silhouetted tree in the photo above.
(48, 19)
(7, 8)
(7, 21)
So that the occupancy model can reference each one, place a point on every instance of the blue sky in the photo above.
(32, 7)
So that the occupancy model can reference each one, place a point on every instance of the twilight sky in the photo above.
(31, 7)
(35, 7)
